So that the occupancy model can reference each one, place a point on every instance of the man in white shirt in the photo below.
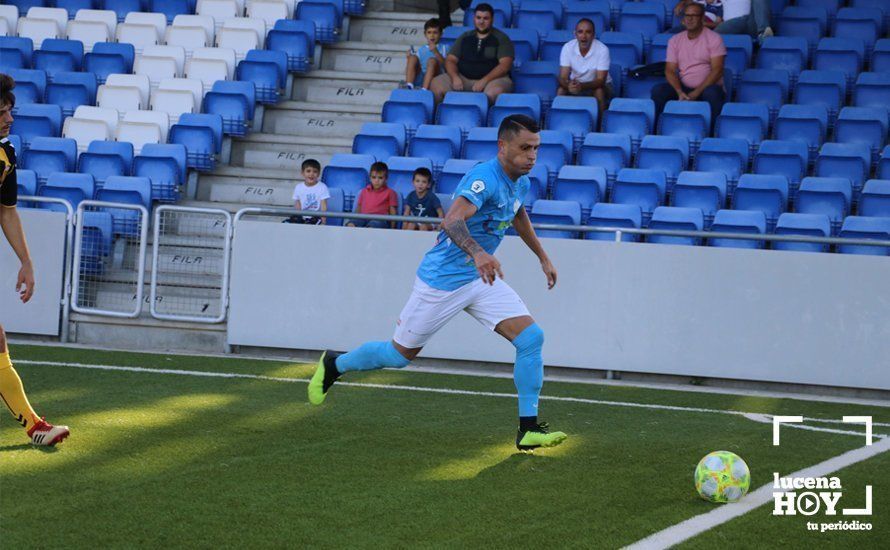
(584, 66)
(746, 17)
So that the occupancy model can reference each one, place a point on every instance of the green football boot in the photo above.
(538, 436)
(325, 376)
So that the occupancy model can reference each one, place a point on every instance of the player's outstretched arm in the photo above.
(523, 226)
(455, 226)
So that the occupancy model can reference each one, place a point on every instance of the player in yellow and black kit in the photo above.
(11, 390)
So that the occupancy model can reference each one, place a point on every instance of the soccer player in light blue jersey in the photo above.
(460, 273)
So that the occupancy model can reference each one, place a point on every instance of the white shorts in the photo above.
(429, 309)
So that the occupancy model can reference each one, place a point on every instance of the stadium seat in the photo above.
(437, 143)
(538, 179)
(380, 139)
(106, 17)
(165, 166)
(785, 158)
(764, 193)
(633, 117)
(865, 125)
(119, 98)
(832, 197)
(96, 241)
(875, 199)
(872, 90)
(139, 81)
(267, 12)
(139, 35)
(822, 88)
(335, 204)
(109, 117)
(810, 225)
(597, 11)
(452, 173)
(121, 7)
(109, 58)
(728, 156)
(860, 227)
(138, 133)
(625, 49)
(174, 53)
(785, 53)
(537, 78)
(208, 71)
(73, 188)
(57, 56)
(840, 54)
(38, 30)
(703, 190)
(70, 90)
(859, 23)
(10, 15)
(348, 172)
(202, 136)
(324, 16)
(558, 213)
(240, 41)
(234, 102)
(106, 158)
(503, 12)
(808, 22)
(645, 18)
(226, 55)
(194, 87)
(658, 48)
(738, 221)
(219, 10)
(481, 144)
(640, 187)
(538, 15)
(465, 110)
(35, 120)
(126, 190)
(410, 108)
(764, 86)
(845, 160)
(47, 155)
(552, 44)
(883, 170)
(804, 123)
(197, 21)
(577, 115)
(26, 184)
(880, 57)
(687, 119)
(614, 215)
(89, 33)
(16, 52)
(30, 85)
(450, 34)
(297, 40)
(267, 70)
(173, 102)
(526, 43)
(187, 38)
(401, 173)
(676, 219)
(84, 131)
(586, 185)
(609, 151)
(555, 150)
(511, 104)
(739, 53)
(669, 154)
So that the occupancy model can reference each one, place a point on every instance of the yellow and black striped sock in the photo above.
(13, 394)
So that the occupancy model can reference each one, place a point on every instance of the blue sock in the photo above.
(528, 373)
(370, 356)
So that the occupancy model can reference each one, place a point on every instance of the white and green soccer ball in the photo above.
(722, 476)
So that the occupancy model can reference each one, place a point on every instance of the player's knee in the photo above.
(530, 340)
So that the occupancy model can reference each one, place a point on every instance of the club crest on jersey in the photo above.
(477, 186)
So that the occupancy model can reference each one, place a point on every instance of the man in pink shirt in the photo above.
(694, 65)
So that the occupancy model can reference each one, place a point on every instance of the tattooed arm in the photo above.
(455, 226)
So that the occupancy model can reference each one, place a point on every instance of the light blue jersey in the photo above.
(424, 53)
(497, 199)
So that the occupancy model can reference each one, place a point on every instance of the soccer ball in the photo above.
(722, 476)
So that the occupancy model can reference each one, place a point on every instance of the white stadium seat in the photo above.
(139, 81)
(108, 116)
(257, 25)
(102, 16)
(219, 10)
(122, 98)
(190, 85)
(38, 30)
(4, 27)
(176, 53)
(139, 36)
(269, 12)
(204, 21)
(138, 133)
(155, 68)
(226, 55)
(158, 118)
(157, 20)
(239, 40)
(11, 15)
(173, 102)
(188, 38)
(88, 32)
(207, 71)
(84, 131)
(59, 15)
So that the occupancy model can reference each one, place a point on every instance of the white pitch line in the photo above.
(448, 391)
(699, 524)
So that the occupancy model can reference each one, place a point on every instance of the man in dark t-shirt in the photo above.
(479, 60)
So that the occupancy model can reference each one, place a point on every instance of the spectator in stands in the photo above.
(746, 17)
(310, 194)
(429, 59)
(376, 198)
(694, 65)
(584, 66)
(445, 9)
(713, 13)
(421, 202)
(480, 60)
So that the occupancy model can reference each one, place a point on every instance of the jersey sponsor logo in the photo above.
(477, 186)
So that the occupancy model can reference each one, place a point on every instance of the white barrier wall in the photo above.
(45, 232)
(741, 314)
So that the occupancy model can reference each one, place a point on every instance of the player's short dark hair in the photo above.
(380, 167)
(432, 23)
(425, 172)
(699, 7)
(310, 163)
(514, 124)
(484, 7)
(6, 95)
(586, 20)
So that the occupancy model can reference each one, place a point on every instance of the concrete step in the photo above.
(345, 89)
(146, 333)
(365, 57)
(389, 28)
(333, 125)
(248, 186)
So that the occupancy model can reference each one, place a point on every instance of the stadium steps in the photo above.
(362, 57)
(387, 27)
(248, 186)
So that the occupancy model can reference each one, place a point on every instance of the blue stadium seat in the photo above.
(26, 184)
(15, 52)
(452, 173)
(872, 89)
(555, 150)
(785, 158)
(597, 11)
(450, 34)
(825, 88)
(658, 48)
(586, 185)
(866, 125)
(109, 58)
(805, 123)
(463, 109)
(401, 173)
(96, 241)
(832, 197)
(126, 190)
(122, 7)
(106, 158)
(688, 119)
(830, 6)
(170, 8)
(880, 4)
(640, 86)
(738, 221)
(234, 102)
(728, 156)
(765, 193)
(633, 117)
(845, 160)
(409, 107)
(481, 144)
(785, 53)
(57, 56)
(556, 212)
(625, 49)
(47, 155)
(348, 172)
(873, 201)
(525, 45)
(859, 23)
(614, 215)
(503, 12)
(840, 54)
(538, 78)
(72, 6)
(267, 70)
(30, 85)
(16, 142)
(766, 86)
(880, 57)
(552, 43)
(809, 23)
(883, 170)
(703, 190)
(296, 39)
(510, 104)
(324, 15)
(747, 121)
(380, 139)
(669, 154)
(73, 188)
(335, 204)
(676, 219)
(71, 90)
(609, 151)
(810, 225)
(35, 120)
(646, 18)
(539, 15)
(437, 143)
(640, 187)
(202, 136)
(577, 115)
(861, 227)
(165, 165)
